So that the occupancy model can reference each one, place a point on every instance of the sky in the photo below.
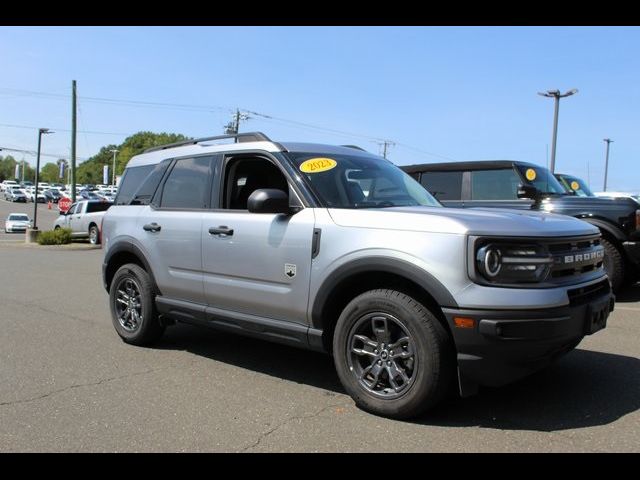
(438, 93)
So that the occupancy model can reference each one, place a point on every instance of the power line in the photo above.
(183, 106)
(92, 132)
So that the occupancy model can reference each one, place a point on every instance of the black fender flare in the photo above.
(131, 248)
(380, 264)
(606, 226)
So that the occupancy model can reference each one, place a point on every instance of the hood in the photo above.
(473, 221)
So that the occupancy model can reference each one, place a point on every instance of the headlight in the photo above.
(509, 264)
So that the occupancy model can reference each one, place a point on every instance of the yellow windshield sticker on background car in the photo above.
(575, 185)
(316, 165)
(531, 174)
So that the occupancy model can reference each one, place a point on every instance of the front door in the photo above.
(256, 263)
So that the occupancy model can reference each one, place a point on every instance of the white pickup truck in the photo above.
(84, 218)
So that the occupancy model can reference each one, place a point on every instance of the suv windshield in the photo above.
(575, 184)
(542, 179)
(358, 181)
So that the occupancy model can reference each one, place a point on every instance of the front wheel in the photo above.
(132, 302)
(613, 264)
(392, 354)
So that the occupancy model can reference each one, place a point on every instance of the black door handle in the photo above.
(221, 230)
(152, 227)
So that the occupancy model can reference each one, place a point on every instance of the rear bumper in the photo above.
(506, 345)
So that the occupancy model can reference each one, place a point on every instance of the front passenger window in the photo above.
(245, 175)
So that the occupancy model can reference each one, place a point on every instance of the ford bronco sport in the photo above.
(338, 250)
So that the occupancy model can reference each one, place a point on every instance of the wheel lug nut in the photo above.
(388, 363)
(391, 352)
(379, 362)
(375, 351)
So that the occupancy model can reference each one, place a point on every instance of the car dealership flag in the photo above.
(105, 174)
(17, 173)
(61, 170)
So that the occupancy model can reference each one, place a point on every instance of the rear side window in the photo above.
(98, 206)
(131, 182)
(443, 185)
(494, 184)
(187, 183)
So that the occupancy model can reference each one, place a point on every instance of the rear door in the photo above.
(169, 228)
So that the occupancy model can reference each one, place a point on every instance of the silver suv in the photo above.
(335, 249)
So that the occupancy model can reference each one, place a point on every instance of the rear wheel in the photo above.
(613, 264)
(392, 354)
(132, 302)
(94, 235)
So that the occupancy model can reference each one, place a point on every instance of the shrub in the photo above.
(60, 236)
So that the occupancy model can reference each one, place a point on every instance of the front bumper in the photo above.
(505, 345)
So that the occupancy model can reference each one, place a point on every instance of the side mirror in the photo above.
(528, 191)
(268, 200)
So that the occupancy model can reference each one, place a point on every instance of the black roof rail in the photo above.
(354, 146)
(238, 137)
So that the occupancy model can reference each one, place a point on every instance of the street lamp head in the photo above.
(45, 131)
(570, 92)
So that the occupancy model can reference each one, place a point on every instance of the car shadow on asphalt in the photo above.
(281, 361)
(582, 389)
(629, 294)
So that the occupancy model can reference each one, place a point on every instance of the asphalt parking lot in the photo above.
(70, 384)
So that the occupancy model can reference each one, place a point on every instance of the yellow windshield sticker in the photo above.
(531, 174)
(316, 165)
(575, 185)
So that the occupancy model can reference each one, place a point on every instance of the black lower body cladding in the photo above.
(505, 345)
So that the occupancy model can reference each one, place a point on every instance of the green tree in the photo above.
(90, 171)
(49, 173)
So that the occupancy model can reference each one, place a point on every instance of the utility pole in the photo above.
(73, 142)
(556, 95)
(233, 127)
(23, 169)
(384, 145)
(606, 164)
(113, 174)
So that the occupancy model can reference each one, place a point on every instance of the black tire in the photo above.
(613, 264)
(146, 329)
(94, 235)
(432, 368)
(57, 227)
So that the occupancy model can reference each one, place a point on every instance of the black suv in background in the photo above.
(521, 185)
(574, 185)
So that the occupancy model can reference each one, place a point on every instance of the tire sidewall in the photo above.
(428, 339)
(142, 280)
(614, 260)
(94, 240)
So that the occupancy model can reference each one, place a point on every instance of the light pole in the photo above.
(606, 164)
(557, 96)
(113, 174)
(35, 199)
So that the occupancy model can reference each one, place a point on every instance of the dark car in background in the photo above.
(574, 185)
(52, 195)
(521, 185)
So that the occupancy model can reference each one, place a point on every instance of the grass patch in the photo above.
(60, 236)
